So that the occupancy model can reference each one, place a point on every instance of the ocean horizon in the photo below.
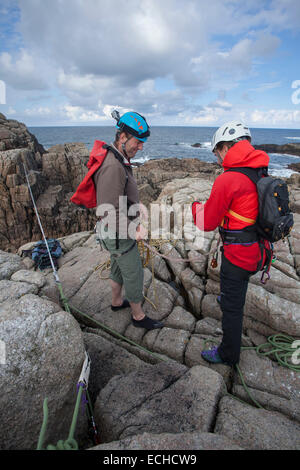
(173, 142)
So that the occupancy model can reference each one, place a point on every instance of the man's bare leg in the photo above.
(117, 300)
(116, 293)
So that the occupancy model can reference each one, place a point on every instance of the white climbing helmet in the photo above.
(230, 131)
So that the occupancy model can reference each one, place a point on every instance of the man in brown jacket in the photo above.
(117, 192)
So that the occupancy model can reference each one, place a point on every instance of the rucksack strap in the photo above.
(120, 159)
(116, 154)
(253, 173)
(265, 262)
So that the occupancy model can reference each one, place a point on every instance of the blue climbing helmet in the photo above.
(133, 123)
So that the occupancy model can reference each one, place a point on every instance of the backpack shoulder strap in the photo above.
(119, 158)
(116, 154)
(254, 174)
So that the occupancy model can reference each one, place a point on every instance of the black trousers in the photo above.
(234, 285)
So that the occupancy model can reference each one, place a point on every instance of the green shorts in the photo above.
(125, 269)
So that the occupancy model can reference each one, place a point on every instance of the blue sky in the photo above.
(187, 62)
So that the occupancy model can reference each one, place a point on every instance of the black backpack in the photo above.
(275, 220)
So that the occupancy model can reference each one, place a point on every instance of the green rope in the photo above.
(44, 425)
(280, 349)
(115, 333)
(63, 297)
(246, 388)
(70, 443)
(241, 377)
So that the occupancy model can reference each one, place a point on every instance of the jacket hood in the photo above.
(243, 154)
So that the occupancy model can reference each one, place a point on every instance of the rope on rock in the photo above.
(281, 348)
(115, 333)
(70, 443)
(281, 351)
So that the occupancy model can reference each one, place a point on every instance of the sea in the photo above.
(170, 142)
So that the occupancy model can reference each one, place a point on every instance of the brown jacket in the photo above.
(112, 180)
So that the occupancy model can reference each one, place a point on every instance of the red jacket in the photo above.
(234, 193)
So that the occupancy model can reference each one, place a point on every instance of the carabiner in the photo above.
(262, 277)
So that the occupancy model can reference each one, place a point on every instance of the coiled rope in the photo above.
(280, 349)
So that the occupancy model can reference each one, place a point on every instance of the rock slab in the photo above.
(164, 398)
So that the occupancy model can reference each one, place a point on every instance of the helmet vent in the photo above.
(225, 130)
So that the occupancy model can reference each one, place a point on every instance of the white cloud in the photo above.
(78, 114)
(275, 117)
(108, 109)
(23, 72)
(11, 111)
(100, 53)
(84, 85)
(220, 104)
(133, 42)
(38, 111)
(236, 62)
(265, 87)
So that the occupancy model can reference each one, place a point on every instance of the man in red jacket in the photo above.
(233, 207)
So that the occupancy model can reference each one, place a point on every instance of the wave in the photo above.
(293, 138)
(141, 159)
(285, 173)
(183, 144)
(206, 145)
(285, 155)
(200, 145)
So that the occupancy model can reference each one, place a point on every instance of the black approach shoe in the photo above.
(125, 304)
(147, 323)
